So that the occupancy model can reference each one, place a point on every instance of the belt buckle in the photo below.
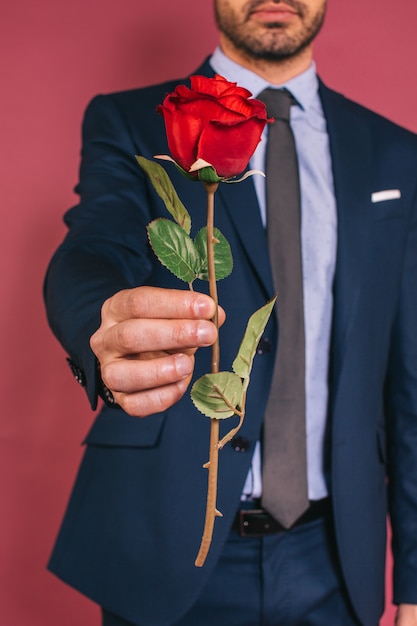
(257, 523)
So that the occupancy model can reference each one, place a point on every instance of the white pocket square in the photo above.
(387, 194)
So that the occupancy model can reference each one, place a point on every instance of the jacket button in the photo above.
(240, 444)
(264, 346)
(77, 372)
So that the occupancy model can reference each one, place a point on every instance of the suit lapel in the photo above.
(350, 147)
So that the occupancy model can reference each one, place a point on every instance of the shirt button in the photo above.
(240, 444)
(264, 346)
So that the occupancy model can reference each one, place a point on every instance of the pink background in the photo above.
(54, 56)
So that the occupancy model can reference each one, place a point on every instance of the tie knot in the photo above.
(278, 102)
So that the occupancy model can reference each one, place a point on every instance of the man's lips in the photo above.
(274, 12)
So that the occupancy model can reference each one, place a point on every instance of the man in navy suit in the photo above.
(134, 522)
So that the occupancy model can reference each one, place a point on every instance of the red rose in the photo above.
(214, 121)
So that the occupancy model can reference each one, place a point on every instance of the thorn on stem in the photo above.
(206, 465)
(217, 513)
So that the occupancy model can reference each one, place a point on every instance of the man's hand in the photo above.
(146, 344)
(406, 615)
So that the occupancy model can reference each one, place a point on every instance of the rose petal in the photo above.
(183, 134)
(229, 147)
(216, 86)
(199, 164)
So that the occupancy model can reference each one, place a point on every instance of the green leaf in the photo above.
(242, 364)
(223, 260)
(166, 191)
(174, 248)
(208, 175)
(218, 395)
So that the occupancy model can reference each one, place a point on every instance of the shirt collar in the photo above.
(303, 87)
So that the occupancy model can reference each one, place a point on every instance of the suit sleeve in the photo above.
(402, 426)
(105, 249)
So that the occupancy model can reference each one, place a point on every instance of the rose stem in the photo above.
(211, 508)
(211, 189)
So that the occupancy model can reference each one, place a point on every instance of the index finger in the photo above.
(158, 303)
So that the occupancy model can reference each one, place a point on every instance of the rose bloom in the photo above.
(215, 121)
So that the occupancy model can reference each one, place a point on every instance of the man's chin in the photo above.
(281, 47)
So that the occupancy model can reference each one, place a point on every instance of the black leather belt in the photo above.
(259, 523)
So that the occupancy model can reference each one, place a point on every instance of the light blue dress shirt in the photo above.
(318, 242)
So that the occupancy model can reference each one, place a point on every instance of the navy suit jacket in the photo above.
(134, 522)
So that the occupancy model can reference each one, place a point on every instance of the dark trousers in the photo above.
(289, 579)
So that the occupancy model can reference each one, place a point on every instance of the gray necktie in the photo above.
(284, 478)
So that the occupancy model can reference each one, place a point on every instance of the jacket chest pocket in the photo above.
(387, 209)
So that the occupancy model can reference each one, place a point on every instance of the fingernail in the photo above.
(202, 307)
(183, 365)
(205, 333)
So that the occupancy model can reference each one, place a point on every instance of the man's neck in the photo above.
(274, 72)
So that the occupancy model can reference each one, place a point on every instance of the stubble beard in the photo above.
(273, 42)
